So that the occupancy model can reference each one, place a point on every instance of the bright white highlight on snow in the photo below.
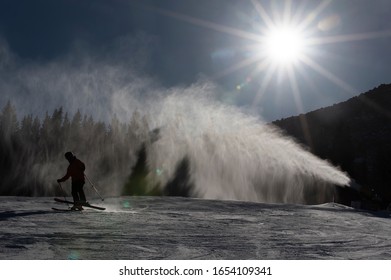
(284, 45)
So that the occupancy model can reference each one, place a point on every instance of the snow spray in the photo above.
(233, 155)
(225, 153)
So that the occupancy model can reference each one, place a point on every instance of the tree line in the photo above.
(32, 150)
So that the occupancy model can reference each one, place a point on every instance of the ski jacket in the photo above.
(75, 170)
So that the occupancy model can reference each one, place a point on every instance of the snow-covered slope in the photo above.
(179, 228)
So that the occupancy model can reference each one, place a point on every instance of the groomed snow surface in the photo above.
(181, 228)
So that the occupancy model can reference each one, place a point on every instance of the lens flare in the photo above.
(74, 255)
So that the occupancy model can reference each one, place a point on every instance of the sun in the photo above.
(284, 45)
(283, 41)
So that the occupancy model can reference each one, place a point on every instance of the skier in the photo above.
(76, 171)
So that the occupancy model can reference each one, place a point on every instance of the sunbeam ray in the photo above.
(287, 12)
(262, 12)
(265, 83)
(299, 106)
(327, 74)
(236, 67)
(314, 14)
(211, 25)
(349, 37)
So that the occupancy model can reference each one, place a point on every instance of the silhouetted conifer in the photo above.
(181, 184)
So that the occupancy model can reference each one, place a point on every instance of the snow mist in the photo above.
(221, 152)
(232, 155)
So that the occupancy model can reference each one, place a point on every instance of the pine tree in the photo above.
(8, 120)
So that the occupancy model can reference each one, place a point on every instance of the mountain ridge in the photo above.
(354, 135)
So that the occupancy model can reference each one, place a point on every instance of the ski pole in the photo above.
(93, 187)
(63, 193)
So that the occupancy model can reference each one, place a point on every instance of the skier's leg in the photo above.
(81, 193)
(75, 193)
(76, 198)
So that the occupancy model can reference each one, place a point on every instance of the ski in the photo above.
(65, 210)
(84, 204)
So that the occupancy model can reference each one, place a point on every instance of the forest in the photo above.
(32, 150)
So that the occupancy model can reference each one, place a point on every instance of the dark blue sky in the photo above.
(180, 42)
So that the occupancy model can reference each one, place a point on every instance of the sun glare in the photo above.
(283, 40)
(284, 45)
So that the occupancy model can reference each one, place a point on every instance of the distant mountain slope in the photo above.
(355, 135)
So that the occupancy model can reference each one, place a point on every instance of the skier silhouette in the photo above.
(76, 171)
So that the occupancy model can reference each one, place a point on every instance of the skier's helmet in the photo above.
(69, 155)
